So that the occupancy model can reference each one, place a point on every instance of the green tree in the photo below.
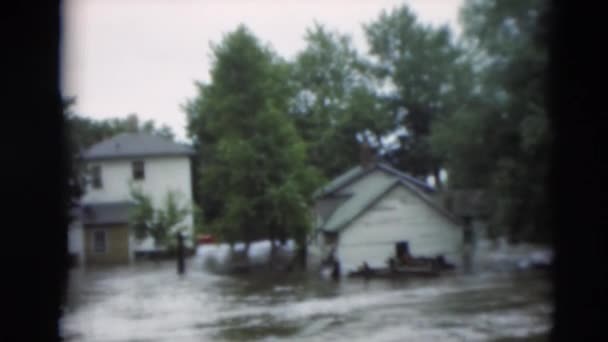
(425, 76)
(508, 133)
(334, 101)
(159, 223)
(254, 179)
(84, 131)
(75, 178)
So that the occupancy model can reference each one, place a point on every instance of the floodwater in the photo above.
(150, 302)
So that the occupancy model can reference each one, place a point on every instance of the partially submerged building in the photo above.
(100, 233)
(364, 212)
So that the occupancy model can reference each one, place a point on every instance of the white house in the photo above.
(151, 163)
(364, 212)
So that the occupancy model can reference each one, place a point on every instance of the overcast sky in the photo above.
(143, 56)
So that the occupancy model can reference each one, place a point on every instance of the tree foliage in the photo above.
(335, 101)
(425, 77)
(254, 180)
(501, 139)
(75, 178)
(84, 131)
(159, 223)
(266, 130)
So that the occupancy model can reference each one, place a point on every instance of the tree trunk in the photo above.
(155, 249)
(303, 253)
(246, 251)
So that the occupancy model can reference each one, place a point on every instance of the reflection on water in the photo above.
(150, 302)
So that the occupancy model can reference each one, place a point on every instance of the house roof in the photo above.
(369, 193)
(105, 213)
(358, 171)
(355, 205)
(130, 145)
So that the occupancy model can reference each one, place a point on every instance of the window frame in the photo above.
(96, 177)
(95, 245)
(135, 172)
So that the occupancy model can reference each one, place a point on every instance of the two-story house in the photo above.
(101, 233)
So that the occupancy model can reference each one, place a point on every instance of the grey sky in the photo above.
(136, 56)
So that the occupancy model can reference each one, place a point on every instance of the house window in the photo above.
(99, 241)
(96, 177)
(138, 170)
(331, 238)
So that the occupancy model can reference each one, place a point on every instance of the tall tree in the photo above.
(425, 76)
(334, 101)
(254, 179)
(509, 136)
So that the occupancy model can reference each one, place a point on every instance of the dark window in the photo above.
(331, 238)
(96, 177)
(99, 241)
(138, 170)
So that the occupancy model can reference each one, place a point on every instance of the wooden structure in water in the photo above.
(404, 265)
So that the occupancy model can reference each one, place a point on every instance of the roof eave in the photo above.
(96, 224)
(325, 191)
(410, 178)
(135, 156)
(339, 228)
(432, 203)
(428, 201)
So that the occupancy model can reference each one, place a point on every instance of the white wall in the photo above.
(162, 174)
(76, 240)
(400, 215)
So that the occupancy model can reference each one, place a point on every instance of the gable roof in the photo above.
(355, 205)
(363, 199)
(105, 213)
(358, 171)
(360, 202)
(133, 145)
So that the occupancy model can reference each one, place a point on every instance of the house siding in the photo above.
(367, 183)
(117, 245)
(399, 215)
(325, 206)
(162, 174)
(76, 241)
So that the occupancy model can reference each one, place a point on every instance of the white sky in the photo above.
(136, 56)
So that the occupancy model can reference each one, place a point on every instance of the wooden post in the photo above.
(180, 254)
(336, 271)
(402, 251)
(303, 256)
(468, 244)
